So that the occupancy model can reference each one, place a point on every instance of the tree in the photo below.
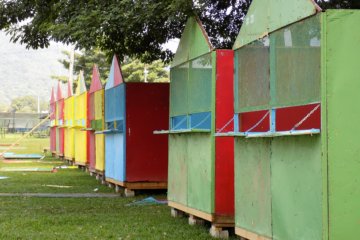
(24, 104)
(134, 71)
(125, 27)
(3, 107)
(85, 60)
(28, 104)
(350, 4)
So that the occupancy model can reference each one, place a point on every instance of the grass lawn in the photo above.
(79, 218)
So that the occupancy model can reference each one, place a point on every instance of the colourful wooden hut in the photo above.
(201, 96)
(52, 122)
(135, 158)
(296, 94)
(69, 138)
(60, 122)
(96, 144)
(80, 122)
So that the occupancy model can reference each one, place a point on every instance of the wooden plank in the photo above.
(101, 172)
(138, 185)
(224, 221)
(146, 185)
(191, 211)
(80, 164)
(216, 220)
(249, 235)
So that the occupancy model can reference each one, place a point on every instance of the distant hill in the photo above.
(27, 72)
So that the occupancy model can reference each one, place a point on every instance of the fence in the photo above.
(11, 122)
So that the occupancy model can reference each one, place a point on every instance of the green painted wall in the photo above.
(200, 172)
(343, 115)
(178, 168)
(313, 180)
(191, 170)
(296, 187)
(252, 184)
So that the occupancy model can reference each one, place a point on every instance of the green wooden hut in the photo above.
(296, 114)
(200, 178)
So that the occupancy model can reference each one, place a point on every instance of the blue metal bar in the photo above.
(273, 120)
(236, 123)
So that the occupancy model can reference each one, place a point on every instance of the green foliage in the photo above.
(85, 60)
(352, 4)
(124, 27)
(27, 104)
(134, 71)
(3, 107)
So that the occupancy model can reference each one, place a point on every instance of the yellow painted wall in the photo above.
(80, 107)
(100, 152)
(100, 138)
(69, 130)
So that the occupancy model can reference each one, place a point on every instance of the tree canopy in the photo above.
(27, 104)
(135, 28)
(133, 70)
(84, 60)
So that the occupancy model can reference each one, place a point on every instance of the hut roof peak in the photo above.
(81, 87)
(52, 97)
(59, 92)
(194, 42)
(115, 76)
(95, 81)
(266, 16)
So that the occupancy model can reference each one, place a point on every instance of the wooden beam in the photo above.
(139, 185)
(249, 235)
(207, 216)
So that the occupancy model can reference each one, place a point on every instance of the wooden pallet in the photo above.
(245, 234)
(61, 156)
(81, 164)
(218, 223)
(100, 175)
(128, 188)
(139, 185)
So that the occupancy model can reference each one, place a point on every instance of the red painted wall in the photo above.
(91, 155)
(61, 130)
(91, 150)
(52, 129)
(147, 109)
(250, 119)
(224, 154)
(53, 139)
(287, 118)
(61, 143)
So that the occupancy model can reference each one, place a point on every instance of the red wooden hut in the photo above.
(59, 122)
(52, 122)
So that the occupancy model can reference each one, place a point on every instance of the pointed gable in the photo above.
(115, 76)
(52, 97)
(95, 81)
(266, 16)
(194, 42)
(81, 87)
(59, 92)
(69, 88)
